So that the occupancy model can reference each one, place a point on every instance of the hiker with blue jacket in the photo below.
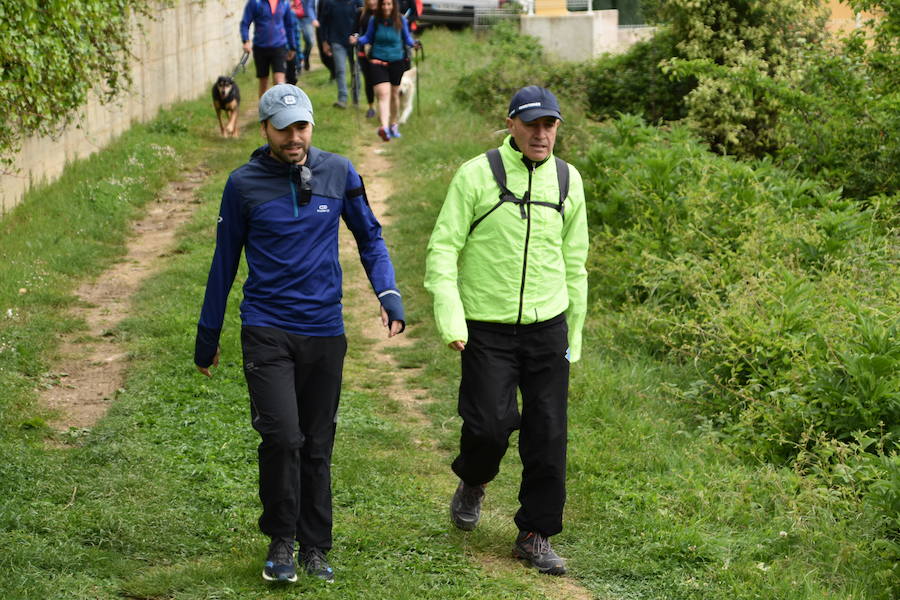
(337, 20)
(283, 210)
(506, 267)
(274, 38)
(388, 33)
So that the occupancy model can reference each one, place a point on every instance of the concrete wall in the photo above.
(581, 36)
(177, 57)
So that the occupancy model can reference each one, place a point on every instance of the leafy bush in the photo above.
(780, 291)
(53, 54)
(633, 83)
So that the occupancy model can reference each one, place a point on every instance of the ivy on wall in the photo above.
(54, 52)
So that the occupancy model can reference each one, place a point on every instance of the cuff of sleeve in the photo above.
(393, 306)
(205, 346)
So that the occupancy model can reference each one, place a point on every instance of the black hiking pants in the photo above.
(294, 383)
(498, 359)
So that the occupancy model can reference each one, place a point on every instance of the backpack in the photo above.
(499, 173)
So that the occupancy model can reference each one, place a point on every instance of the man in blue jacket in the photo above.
(337, 19)
(283, 210)
(274, 38)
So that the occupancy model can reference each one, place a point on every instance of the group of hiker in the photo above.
(505, 266)
(371, 39)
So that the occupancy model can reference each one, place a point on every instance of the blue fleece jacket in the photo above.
(271, 30)
(337, 19)
(294, 280)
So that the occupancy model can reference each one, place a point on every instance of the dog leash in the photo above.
(241, 64)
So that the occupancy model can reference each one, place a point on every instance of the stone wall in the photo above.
(177, 57)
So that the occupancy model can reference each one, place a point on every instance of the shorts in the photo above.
(264, 58)
(382, 72)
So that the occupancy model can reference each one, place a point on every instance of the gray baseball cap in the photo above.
(284, 104)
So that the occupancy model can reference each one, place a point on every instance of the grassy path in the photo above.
(157, 499)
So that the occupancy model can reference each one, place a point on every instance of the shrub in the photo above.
(780, 291)
(633, 83)
(53, 56)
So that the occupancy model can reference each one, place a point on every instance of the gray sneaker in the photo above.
(280, 561)
(535, 548)
(465, 508)
(315, 564)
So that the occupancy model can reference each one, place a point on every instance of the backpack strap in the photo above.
(562, 178)
(499, 173)
(496, 163)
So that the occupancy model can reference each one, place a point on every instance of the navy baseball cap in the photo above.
(533, 102)
(284, 104)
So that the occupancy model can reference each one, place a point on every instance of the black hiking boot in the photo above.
(315, 564)
(535, 548)
(465, 508)
(280, 561)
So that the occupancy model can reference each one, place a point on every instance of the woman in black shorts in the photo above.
(388, 33)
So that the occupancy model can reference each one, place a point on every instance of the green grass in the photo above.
(159, 499)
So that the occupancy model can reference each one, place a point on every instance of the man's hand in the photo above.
(326, 48)
(215, 363)
(291, 54)
(352, 39)
(248, 46)
(394, 328)
(457, 345)
(315, 23)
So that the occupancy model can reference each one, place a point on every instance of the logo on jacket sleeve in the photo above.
(323, 208)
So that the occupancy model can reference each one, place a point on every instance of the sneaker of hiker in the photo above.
(384, 134)
(395, 131)
(280, 561)
(315, 564)
(534, 548)
(370, 114)
(465, 507)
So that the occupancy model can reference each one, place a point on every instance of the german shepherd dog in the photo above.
(226, 98)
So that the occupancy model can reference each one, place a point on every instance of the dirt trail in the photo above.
(373, 167)
(92, 363)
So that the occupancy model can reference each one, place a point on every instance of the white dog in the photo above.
(407, 94)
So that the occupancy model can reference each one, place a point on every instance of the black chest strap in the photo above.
(496, 163)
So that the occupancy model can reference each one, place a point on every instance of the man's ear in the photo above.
(262, 129)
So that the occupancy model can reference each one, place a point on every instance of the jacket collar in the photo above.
(262, 159)
(511, 148)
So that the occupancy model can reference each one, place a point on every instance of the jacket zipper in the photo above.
(527, 200)
(294, 196)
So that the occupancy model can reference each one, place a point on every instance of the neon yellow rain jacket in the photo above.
(509, 269)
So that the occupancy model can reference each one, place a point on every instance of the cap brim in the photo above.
(532, 114)
(283, 118)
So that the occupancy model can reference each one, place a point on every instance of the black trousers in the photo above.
(497, 360)
(294, 383)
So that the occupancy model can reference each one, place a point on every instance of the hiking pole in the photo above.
(418, 48)
(241, 64)
(354, 65)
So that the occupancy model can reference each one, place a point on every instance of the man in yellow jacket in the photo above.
(506, 268)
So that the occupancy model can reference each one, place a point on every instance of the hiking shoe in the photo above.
(395, 131)
(535, 548)
(370, 114)
(315, 564)
(383, 134)
(340, 104)
(306, 64)
(465, 507)
(280, 561)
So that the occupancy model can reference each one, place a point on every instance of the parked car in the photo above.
(455, 12)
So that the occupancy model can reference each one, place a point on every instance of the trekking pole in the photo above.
(241, 64)
(354, 65)
(418, 48)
